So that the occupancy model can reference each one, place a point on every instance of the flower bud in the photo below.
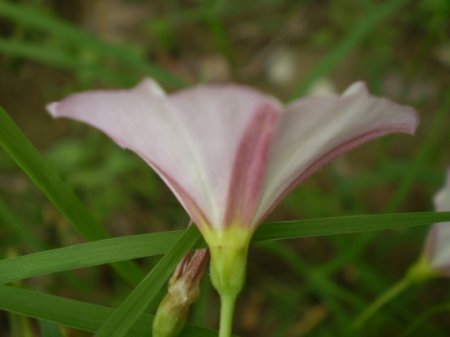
(183, 290)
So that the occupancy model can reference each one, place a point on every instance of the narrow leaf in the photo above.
(56, 58)
(347, 224)
(75, 314)
(355, 36)
(125, 316)
(28, 158)
(138, 246)
(57, 27)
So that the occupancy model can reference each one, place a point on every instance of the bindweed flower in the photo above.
(230, 153)
(437, 247)
(434, 261)
(183, 290)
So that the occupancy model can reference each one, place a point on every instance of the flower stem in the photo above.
(384, 298)
(226, 315)
(419, 272)
(228, 248)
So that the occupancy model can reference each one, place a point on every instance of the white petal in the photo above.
(315, 130)
(438, 246)
(191, 139)
(442, 198)
(438, 242)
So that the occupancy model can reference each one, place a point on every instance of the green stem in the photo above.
(228, 248)
(226, 315)
(386, 297)
(419, 272)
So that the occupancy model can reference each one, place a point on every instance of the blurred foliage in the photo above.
(308, 287)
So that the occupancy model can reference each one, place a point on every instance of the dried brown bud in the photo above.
(183, 290)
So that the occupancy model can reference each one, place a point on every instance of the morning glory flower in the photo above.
(230, 153)
(437, 248)
(433, 262)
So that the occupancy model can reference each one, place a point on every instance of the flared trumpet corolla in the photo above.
(230, 153)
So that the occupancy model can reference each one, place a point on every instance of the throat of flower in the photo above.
(228, 248)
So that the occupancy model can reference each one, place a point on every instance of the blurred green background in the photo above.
(308, 287)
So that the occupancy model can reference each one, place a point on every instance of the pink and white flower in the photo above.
(228, 152)
(437, 248)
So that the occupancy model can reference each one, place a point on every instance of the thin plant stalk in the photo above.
(226, 315)
(419, 272)
(382, 300)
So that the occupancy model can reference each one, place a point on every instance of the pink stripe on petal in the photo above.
(315, 130)
(249, 166)
(190, 138)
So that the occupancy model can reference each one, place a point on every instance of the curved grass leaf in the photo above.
(76, 314)
(356, 35)
(124, 317)
(346, 225)
(423, 154)
(61, 196)
(87, 255)
(49, 329)
(33, 18)
(18, 230)
(58, 59)
(137, 246)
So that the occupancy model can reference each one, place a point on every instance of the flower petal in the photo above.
(437, 247)
(315, 130)
(442, 198)
(233, 131)
(192, 139)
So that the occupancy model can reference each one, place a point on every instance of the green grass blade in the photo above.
(17, 228)
(75, 314)
(124, 317)
(49, 329)
(355, 36)
(42, 21)
(423, 155)
(28, 158)
(58, 59)
(87, 255)
(346, 225)
(212, 17)
(138, 246)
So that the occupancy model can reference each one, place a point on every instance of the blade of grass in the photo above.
(57, 27)
(437, 130)
(56, 58)
(354, 37)
(75, 314)
(328, 291)
(87, 255)
(49, 329)
(62, 197)
(212, 18)
(346, 225)
(125, 316)
(423, 317)
(18, 228)
(137, 246)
